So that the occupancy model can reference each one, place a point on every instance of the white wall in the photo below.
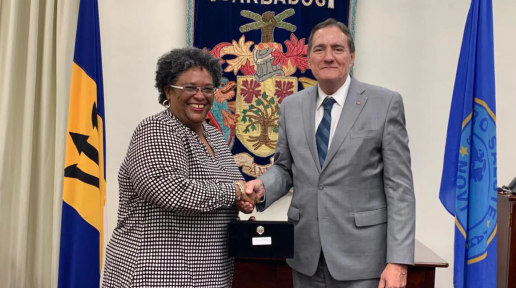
(413, 47)
(134, 35)
(405, 45)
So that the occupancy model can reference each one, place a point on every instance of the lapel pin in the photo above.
(358, 102)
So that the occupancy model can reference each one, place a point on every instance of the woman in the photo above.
(179, 187)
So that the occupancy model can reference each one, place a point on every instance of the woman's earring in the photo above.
(166, 103)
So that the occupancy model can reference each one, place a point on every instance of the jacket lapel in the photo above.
(309, 123)
(353, 105)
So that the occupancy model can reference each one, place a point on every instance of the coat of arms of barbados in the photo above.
(264, 78)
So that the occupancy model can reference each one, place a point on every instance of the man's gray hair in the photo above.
(329, 23)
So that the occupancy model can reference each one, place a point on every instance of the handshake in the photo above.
(247, 195)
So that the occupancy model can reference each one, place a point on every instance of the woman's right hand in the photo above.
(245, 203)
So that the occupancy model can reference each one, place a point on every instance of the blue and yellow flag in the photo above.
(468, 185)
(84, 187)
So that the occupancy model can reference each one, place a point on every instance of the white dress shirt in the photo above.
(336, 110)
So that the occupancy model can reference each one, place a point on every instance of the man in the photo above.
(343, 146)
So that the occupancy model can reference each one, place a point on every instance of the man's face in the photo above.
(329, 57)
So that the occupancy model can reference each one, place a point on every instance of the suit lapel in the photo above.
(353, 105)
(309, 123)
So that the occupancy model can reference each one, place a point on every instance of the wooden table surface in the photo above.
(275, 273)
(424, 257)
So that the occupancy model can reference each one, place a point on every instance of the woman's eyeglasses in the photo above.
(190, 89)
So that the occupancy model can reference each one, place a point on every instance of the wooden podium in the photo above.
(506, 241)
(275, 273)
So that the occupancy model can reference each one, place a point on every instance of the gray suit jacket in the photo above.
(359, 208)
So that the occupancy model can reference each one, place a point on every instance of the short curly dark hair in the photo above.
(177, 61)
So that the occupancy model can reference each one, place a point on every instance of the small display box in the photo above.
(261, 239)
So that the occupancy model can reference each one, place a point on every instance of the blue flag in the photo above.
(469, 185)
(84, 184)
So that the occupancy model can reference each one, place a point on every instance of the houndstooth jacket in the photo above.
(175, 203)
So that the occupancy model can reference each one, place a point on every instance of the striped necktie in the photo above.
(322, 136)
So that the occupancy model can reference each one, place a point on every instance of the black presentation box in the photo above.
(261, 239)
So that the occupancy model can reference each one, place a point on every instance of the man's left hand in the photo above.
(393, 276)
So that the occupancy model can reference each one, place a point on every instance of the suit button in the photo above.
(321, 187)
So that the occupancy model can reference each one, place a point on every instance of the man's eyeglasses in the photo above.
(190, 89)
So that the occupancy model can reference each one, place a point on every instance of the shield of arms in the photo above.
(257, 107)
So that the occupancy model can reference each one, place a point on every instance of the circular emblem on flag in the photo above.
(476, 181)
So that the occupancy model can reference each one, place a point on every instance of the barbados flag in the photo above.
(84, 187)
(469, 185)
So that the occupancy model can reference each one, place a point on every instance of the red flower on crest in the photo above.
(284, 88)
(250, 90)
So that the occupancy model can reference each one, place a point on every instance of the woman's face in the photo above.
(191, 109)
